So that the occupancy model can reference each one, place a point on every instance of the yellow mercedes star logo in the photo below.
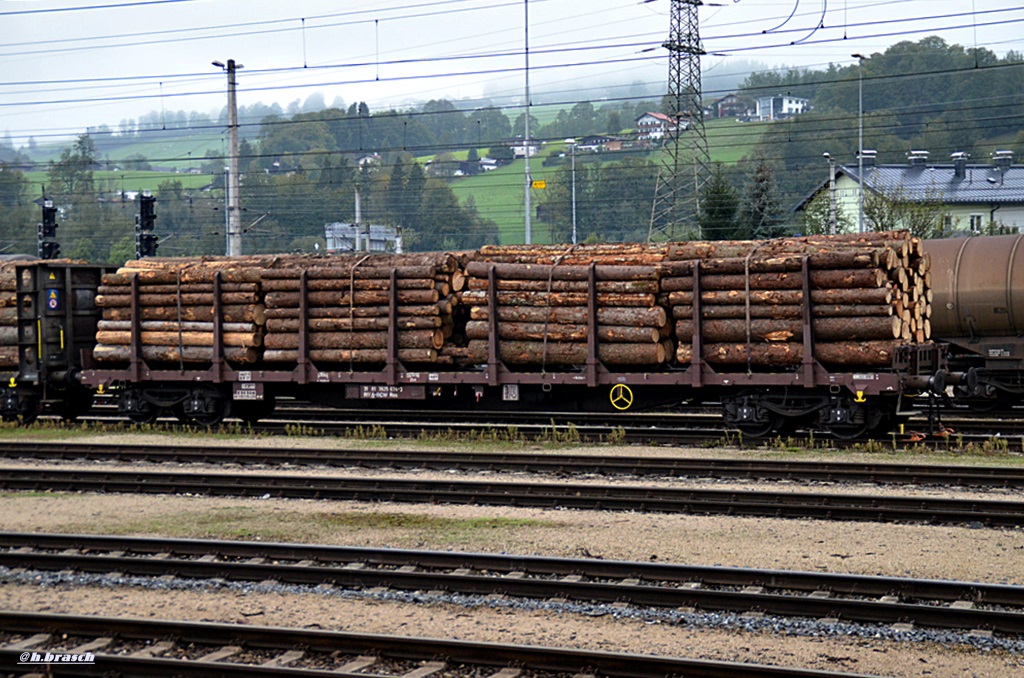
(621, 397)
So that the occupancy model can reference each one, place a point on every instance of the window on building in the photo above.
(976, 222)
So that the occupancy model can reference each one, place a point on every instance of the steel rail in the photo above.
(858, 598)
(945, 475)
(211, 649)
(874, 508)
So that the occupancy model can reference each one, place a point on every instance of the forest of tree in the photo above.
(301, 164)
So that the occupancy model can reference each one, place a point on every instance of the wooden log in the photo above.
(787, 311)
(479, 269)
(856, 354)
(243, 339)
(9, 357)
(254, 313)
(8, 335)
(774, 330)
(173, 300)
(637, 317)
(802, 245)
(171, 354)
(479, 329)
(349, 273)
(339, 356)
(607, 286)
(827, 279)
(559, 299)
(535, 353)
(774, 263)
(356, 340)
(854, 295)
(346, 324)
(173, 326)
(182, 275)
(339, 298)
(345, 284)
(185, 288)
(419, 311)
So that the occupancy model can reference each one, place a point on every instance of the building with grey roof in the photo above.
(970, 197)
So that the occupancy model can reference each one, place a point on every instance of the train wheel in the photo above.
(145, 415)
(24, 411)
(206, 407)
(758, 429)
(847, 419)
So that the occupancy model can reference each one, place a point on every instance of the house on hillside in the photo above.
(731, 106)
(519, 148)
(780, 107)
(972, 198)
(653, 126)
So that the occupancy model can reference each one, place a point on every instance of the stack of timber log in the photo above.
(348, 306)
(176, 307)
(8, 316)
(868, 293)
(543, 315)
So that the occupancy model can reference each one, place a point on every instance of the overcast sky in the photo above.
(68, 64)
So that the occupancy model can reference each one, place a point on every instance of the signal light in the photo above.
(49, 250)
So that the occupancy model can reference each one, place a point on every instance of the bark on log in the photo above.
(254, 313)
(854, 295)
(786, 311)
(407, 355)
(478, 329)
(433, 339)
(187, 275)
(609, 286)
(337, 298)
(8, 336)
(773, 330)
(172, 326)
(479, 269)
(9, 357)
(826, 279)
(185, 288)
(774, 263)
(344, 284)
(534, 353)
(638, 317)
(419, 311)
(171, 354)
(172, 300)
(559, 299)
(862, 354)
(346, 324)
(242, 339)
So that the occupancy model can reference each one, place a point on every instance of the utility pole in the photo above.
(860, 140)
(831, 194)
(526, 145)
(233, 187)
(684, 96)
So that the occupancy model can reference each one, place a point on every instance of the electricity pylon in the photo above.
(685, 164)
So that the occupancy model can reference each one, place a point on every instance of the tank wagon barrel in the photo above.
(978, 309)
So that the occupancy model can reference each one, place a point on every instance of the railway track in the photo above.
(194, 649)
(963, 606)
(567, 464)
(586, 496)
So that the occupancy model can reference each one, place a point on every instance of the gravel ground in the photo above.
(896, 550)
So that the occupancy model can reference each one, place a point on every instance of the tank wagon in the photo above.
(978, 310)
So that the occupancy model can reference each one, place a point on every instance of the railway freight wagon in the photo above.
(979, 312)
(827, 332)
